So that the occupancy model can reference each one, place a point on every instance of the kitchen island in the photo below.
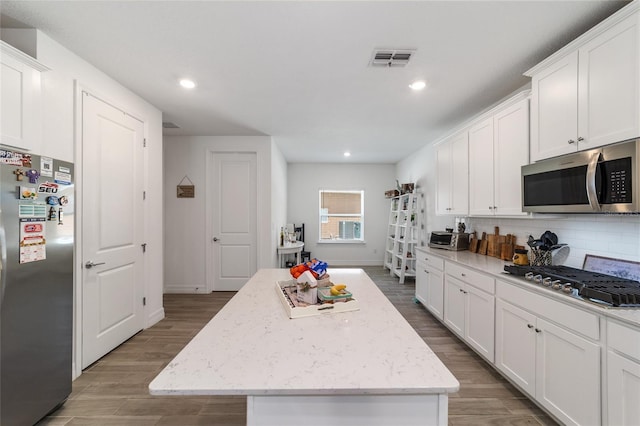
(351, 368)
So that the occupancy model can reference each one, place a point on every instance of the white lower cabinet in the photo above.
(559, 369)
(468, 309)
(623, 375)
(430, 283)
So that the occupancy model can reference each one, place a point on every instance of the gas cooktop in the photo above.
(606, 289)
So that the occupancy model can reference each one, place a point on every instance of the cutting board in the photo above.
(482, 247)
(506, 248)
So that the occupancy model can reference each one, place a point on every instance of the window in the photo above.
(341, 215)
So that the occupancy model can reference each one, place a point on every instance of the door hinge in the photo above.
(144, 301)
(144, 195)
(144, 247)
(144, 142)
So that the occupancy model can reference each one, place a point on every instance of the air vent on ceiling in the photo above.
(169, 125)
(391, 57)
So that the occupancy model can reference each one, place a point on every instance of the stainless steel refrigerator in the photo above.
(36, 311)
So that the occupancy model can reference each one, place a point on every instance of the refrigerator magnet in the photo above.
(19, 174)
(33, 175)
(62, 178)
(52, 200)
(32, 240)
(27, 193)
(46, 166)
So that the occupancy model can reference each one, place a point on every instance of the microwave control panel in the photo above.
(617, 175)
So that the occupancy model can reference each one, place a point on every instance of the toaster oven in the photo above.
(454, 241)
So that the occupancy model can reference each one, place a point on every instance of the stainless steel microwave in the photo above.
(602, 180)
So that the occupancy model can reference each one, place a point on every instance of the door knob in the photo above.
(216, 239)
(90, 264)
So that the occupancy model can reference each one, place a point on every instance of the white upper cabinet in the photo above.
(498, 148)
(452, 175)
(20, 97)
(589, 95)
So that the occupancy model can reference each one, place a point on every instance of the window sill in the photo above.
(338, 241)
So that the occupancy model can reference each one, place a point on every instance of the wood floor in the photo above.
(113, 391)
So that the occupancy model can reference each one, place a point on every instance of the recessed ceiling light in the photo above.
(418, 85)
(187, 84)
(347, 154)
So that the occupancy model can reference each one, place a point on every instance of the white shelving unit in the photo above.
(402, 236)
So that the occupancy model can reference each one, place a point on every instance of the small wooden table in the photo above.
(290, 248)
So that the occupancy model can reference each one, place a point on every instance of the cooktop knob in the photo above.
(538, 279)
(528, 276)
(546, 281)
(555, 284)
(567, 288)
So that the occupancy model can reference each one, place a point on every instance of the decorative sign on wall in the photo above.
(186, 191)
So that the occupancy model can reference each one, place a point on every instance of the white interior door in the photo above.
(112, 224)
(234, 220)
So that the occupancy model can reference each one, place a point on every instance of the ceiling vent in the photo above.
(391, 57)
(169, 125)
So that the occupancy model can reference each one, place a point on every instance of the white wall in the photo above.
(185, 218)
(304, 182)
(60, 116)
(601, 235)
(278, 197)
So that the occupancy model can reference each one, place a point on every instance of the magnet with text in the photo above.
(62, 178)
(46, 166)
(52, 200)
(48, 188)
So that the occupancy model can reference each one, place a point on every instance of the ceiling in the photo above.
(298, 70)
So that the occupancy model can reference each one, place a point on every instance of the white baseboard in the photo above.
(185, 289)
(155, 317)
(342, 262)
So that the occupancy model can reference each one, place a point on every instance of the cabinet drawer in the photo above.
(623, 339)
(577, 320)
(470, 276)
(428, 260)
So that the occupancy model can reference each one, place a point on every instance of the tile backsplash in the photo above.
(615, 236)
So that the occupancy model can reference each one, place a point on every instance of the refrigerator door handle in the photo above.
(3, 260)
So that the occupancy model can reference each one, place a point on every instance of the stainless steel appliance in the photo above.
(599, 180)
(36, 282)
(454, 241)
(607, 290)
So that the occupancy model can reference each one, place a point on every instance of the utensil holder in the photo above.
(540, 257)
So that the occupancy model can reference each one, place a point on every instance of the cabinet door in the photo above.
(435, 293)
(443, 178)
(609, 86)
(511, 152)
(454, 305)
(422, 277)
(460, 174)
(479, 321)
(623, 390)
(481, 201)
(20, 104)
(554, 109)
(568, 375)
(516, 345)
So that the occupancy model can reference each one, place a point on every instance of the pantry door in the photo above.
(112, 227)
(233, 220)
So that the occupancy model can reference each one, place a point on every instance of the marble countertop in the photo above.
(495, 267)
(251, 347)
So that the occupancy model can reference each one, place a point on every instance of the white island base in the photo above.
(365, 367)
(351, 410)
